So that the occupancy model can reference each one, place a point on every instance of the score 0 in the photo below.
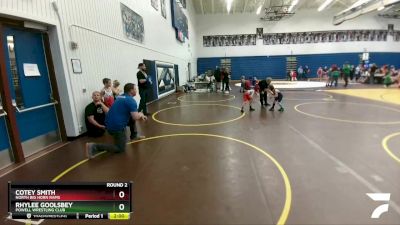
(121, 194)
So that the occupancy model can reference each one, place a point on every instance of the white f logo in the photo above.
(380, 197)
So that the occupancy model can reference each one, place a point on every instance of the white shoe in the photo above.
(89, 150)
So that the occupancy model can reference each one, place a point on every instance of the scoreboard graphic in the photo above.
(112, 200)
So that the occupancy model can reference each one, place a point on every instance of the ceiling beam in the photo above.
(245, 6)
(361, 10)
(202, 7)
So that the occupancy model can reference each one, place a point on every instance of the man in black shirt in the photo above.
(226, 78)
(95, 114)
(217, 75)
(144, 86)
(264, 84)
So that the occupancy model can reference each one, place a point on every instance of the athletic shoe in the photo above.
(271, 109)
(281, 109)
(268, 104)
(242, 111)
(251, 109)
(89, 150)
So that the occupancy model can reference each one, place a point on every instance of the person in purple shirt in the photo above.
(124, 108)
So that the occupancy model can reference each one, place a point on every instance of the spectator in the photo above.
(352, 72)
(95, 114)
(115, 89)
(144, 84)
(325, 72)
(358, 72)
(388, 79)
(217, 75)
(293, 74)
(306, 72)
(335, 75)
(346, 73)
(107, 93)
(372, 73)
(300, 72)
(320, 73)
(242, 83)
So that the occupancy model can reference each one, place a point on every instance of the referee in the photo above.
(264, 84)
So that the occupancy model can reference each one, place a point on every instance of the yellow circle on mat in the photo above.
(200, 124)
(344, 120)
(390, 97)
(288, 190)
(386, 147)
(231, 97)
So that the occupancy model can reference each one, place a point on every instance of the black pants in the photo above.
(226, 85)
(95, 132)
(263, 98)
(144, 95)
(278, 100)
(334, 80)
(118, 146)
(346, 80)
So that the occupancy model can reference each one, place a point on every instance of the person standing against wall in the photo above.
(115, 89)
(144, 87)
(107, 93)
(320, 73)
(117, 118)
(307, 72)
(300, 72)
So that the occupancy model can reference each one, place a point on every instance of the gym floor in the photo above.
(203, 162)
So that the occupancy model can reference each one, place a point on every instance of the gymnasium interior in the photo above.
(245, 111)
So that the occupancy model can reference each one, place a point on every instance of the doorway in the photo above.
(29, 89)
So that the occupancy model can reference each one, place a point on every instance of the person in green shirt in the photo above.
(346, 72)
(335, 75)
(388, 79)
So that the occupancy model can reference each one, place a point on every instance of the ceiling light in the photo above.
(356, 4)
(259, 10)
(382, 6)
(324, 5)
(294, 3)
(229, 5)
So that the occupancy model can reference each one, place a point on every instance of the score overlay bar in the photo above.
(107, 200)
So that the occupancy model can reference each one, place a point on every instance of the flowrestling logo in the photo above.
(380, 197)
